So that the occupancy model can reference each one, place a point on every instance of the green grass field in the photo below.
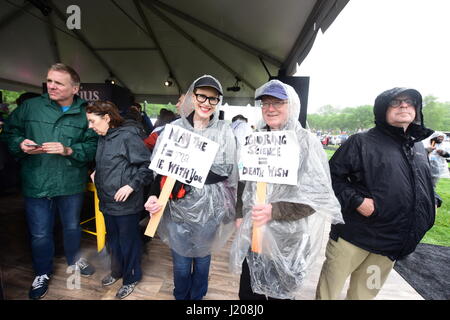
(440, 233)
(329, 153)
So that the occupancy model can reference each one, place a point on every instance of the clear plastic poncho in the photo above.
(438, 164)
(203, 220)
(289, 248)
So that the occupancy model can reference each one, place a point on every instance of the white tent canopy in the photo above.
(142, 43)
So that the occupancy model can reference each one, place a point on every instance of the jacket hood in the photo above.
(382, 103)
(437, 134)
(128, 126)
(283, 91)
(187, 107)
(415, 129)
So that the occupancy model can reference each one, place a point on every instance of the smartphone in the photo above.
(33, 145)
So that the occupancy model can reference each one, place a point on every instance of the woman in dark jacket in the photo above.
(121, 172)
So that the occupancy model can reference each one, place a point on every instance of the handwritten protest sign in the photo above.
(270, 157)
(184, 156)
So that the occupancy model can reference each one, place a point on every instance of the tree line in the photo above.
(351, 119)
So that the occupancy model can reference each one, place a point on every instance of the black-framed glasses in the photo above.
(395, 103)
(202, 98)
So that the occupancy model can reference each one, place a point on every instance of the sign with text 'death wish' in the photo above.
(270, 156)
(184, 156)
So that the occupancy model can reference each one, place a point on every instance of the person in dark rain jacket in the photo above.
(120, 175)
(382, 180)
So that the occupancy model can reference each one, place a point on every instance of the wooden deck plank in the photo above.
(156, 284)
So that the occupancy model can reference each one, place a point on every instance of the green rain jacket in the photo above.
(42, 120)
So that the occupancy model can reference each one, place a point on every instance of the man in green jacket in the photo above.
(50, 137)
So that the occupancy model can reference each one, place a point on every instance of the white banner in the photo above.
(270, 157)
(184, 155)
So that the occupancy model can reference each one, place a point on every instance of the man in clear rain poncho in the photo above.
(202, 220)
(438, 152)
(293, 217)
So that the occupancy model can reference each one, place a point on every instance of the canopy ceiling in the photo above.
(140, 43)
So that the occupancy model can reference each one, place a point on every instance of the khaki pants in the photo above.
(368, 272)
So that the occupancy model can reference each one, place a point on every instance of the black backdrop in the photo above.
(301, 86)
(121, 97)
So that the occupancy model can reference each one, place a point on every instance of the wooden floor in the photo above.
(156, 284)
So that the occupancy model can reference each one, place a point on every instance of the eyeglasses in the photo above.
(202, 98)
(275, 104)
(397, 102)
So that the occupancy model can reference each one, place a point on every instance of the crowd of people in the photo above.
(377, 191)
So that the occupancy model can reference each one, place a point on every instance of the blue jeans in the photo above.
(190, 277)
(40, 213)
(124, 242)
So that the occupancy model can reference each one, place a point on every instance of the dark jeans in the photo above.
(190, 277)
(124, 242)
(245, 287)
(40, 213)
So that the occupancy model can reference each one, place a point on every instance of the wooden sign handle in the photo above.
(162, 200)
(261, 188)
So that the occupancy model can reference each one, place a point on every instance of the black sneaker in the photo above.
(39, 287)
(126, 290)
(85, 268)
(109, 280)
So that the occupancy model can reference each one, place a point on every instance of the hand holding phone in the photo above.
(33, 145)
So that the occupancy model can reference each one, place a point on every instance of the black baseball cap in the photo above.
(208, 81)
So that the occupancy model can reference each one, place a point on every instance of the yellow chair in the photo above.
(99, 220)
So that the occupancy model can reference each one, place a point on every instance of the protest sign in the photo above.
(270, 157)
(184, 155)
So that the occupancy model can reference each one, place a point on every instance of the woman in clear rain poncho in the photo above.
(203, 219)
(293, 216)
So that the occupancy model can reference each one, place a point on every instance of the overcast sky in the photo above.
(373, 46)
